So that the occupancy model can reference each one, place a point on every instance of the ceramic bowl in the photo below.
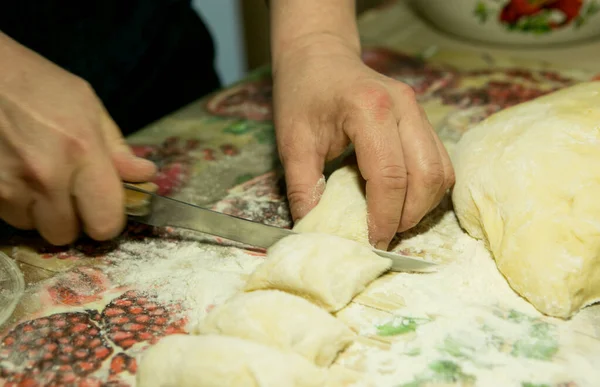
(515, 22)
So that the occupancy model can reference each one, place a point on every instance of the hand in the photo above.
(62, 158)
(325, 98)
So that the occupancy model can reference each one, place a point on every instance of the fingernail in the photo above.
(141, 161)
(381, 245)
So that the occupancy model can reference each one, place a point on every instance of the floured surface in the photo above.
(527, 183)
(463, 325)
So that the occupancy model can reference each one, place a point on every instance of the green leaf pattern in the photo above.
(539, 343)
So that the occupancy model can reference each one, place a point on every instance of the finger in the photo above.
(99, 196)
(303, 166)
(449, 177)
(448, 172)
(381, 162)
(129, 167)
(133, 169)
(15, 210)
(16, 216)
(54, 216)
(424, 165)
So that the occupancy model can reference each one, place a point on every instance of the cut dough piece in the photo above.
(528, 183)
(325, 269)
(218, 361)
(280, 320)
(342, 209)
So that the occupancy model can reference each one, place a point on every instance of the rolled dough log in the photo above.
(528, 183)
(218, 361)
(280, 320)
(325, 269)
(342, 209)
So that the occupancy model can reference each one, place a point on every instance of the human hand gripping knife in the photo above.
(144, 205)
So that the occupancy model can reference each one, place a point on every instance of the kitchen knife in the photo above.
(145, 206)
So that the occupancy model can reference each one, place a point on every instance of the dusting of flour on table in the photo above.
(194, 275)
(463, 325)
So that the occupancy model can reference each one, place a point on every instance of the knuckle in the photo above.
(394, 177)
(40, 176)
(374, 99)
(406, 91)
(75, 147)
(297, 196)
(432, 176)
(288, 144)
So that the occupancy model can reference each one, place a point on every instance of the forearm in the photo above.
(300, 23)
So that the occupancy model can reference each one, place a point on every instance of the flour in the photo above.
(467, 327)
(196, 276)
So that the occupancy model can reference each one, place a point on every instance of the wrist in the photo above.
(312, 27)
(311, 45)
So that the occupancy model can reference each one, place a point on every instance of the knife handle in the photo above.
(139, 203)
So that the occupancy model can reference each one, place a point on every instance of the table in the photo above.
(91, 309)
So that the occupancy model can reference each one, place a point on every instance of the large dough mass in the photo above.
(280, 320)
(528, 183)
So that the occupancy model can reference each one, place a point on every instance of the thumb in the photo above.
(304, 179)
(129, 167)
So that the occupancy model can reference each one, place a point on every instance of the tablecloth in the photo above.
(91, 309)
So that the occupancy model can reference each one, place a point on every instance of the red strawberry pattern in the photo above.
(61, 349)
(67, 348)
(134, 318)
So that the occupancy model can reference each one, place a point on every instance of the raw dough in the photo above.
(325, 269)
(280, 320)
(528, 183)
(342, 209)
(218, 361)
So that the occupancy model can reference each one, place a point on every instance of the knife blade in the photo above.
(145, 206)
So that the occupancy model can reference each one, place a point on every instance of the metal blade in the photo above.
(171, 212)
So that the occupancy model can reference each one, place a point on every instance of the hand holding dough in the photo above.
(282, 321)
(325, 269)
(528, 183)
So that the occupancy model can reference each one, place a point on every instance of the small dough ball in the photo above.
(218, 361)
(528, 184)
(342, 209)
(325, 269)
(280, 320)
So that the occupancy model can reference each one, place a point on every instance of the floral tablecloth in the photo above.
(91, 309)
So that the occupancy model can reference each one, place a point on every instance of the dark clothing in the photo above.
(144, 58)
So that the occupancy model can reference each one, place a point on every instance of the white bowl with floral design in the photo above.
(515, 22)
